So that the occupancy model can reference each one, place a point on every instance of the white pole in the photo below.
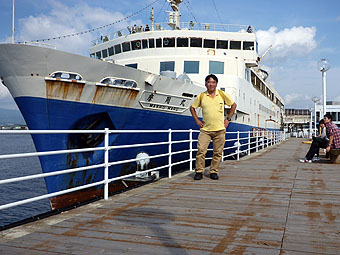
(13, 24)
(324, 92)
(106, 161)
(310, 124)
(315, 118)
(170, 170)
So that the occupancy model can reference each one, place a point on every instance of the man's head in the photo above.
(211, 83)
(327, 118)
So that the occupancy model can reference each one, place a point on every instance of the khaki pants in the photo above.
(218, 138)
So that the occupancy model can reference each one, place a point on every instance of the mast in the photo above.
(174, 17)
(13, 24)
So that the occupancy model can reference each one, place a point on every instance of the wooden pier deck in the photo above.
(267, 203)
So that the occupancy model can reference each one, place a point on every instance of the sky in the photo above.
(301, 33)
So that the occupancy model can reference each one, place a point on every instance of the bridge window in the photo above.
(196, 42)
(248, 45)
(216, 67)
(182, 42)
(235, 45)
(145, 44)
(98, 54)
(168, 42)
(208, 43)
(132, 65)
(159, 42)
(136, 45)
(111, 52)
(104, 53)
(167, 66)
(191, 66)
(221, 44)
(118, 49)
(151, 43)
(92, 55)
(126, 46)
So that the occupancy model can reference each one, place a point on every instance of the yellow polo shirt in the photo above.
(213, 110)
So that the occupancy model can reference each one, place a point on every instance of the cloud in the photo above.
(293, 98)
(64, 20)
(287, 43)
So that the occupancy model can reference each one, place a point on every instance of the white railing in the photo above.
(243, 143)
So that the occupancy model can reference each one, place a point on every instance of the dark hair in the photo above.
(328, 116)
(213, 76)
(321, 122)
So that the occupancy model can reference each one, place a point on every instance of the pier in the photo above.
(265, 203)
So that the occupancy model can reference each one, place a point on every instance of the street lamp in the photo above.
(315, 100)
(310, 123)
(323, 66)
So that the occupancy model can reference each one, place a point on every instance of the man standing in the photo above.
(333, 133)
(213, 126)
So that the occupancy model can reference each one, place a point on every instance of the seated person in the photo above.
(318, 142)
(333, 133)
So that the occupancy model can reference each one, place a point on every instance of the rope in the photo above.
(187, 5)
(218, 15)
(97, 28)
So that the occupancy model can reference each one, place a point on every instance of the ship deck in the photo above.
(266, 203)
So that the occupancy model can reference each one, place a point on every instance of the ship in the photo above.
(133, 79)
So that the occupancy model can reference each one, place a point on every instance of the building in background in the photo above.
(297, 122)
(333, 108)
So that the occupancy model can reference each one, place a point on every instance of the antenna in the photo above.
(13, 24)
(152, 20)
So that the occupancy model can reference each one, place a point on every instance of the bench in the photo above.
(334, 156)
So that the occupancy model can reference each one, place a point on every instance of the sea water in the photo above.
(17, 167)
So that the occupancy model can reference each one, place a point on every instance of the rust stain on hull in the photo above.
(116, 96)
(77, 197)
(64, 90)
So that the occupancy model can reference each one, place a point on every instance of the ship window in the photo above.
(196, 42)
(92, 55)
(151, 43)
(118, 49)
(126, 46)
(145, 44)
(136, 45)
(98, 54)
(221, 44)
(216, 67)
(104, 53)
(187, 95)
(182, 42)
(208, 43)
(119, 82)
(168, 42)
(257, 48)
(132, 65)
(111, 52)
(248, 45)
(235, 45)
(159, 42)
(191, 66)
(167, 66)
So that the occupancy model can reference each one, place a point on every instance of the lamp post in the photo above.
(310, 122)
(315, 100)
(323, 66)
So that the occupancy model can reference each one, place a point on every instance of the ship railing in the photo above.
(40, 44)
(163, 26)
(237, 144)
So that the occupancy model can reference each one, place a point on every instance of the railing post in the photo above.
(257, 140)
(238, 145)
(106, 161)
(248, 142)
(263, 140)
(170, 154)
(190, 138)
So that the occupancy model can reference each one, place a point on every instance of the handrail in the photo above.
(244, 143)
